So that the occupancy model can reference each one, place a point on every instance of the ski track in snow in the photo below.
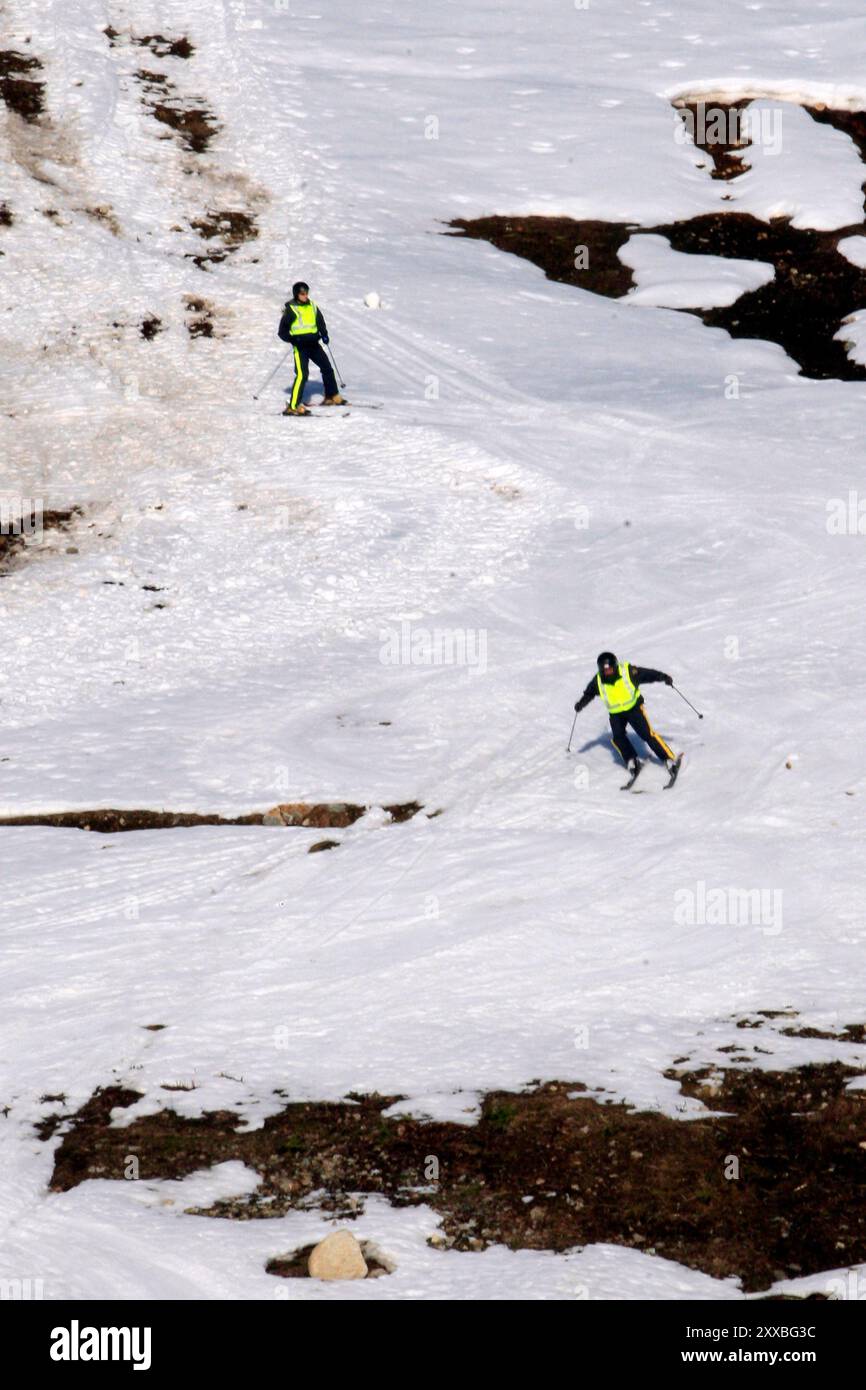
(445, 956)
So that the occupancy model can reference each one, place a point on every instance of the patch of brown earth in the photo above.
(104, 214)
(232, 227)
(158, 44)
(195, 125)
(21, 94)
(6, 218)
(814, 290)
(716, 129)
(165, 48)
(202, 326)
(325, 815)
(149, 329)
(581, 253)
(14, 537)
(774, 1189)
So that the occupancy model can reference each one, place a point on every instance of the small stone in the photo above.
(338, 1256)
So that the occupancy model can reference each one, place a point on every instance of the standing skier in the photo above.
(618, 683)
(303, 326)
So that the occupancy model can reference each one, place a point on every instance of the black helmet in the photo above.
(607, 665)
(298, 286)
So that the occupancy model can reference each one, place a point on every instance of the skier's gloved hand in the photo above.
(669, 680)
(325, 338)
(578, 706)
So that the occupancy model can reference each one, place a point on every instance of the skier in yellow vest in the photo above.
(303, 327)
(618, 683)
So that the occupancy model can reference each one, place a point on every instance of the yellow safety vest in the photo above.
(620, 695)
(304, 320)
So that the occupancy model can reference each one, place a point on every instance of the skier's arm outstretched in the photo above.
(645, 675)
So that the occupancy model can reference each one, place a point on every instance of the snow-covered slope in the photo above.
(541, 926)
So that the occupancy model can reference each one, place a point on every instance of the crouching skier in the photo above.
(303, 326)
(618, 683)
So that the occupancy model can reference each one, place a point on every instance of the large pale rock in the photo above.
(338, 1256)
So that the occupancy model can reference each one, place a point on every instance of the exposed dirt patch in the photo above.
(232, 228)
(815, 287)
(6, 218)
(14, 534)
(549, 1169)
(335, 815)
(21, 94)
(165, 48)
(104, 214)
(154, 81)
(581, 253)
(195, 125)
(149, 329)
(851, 1033)
(322, 844)
(202, 324)
(716, 128)
(814, 290)
(108, 822)
(158, 44)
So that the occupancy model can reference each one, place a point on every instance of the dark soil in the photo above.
(553, 243)
(156, 81)
(196, 126)
(814, 290)
(202, 326)
(727, 163)
(12, 545)
(21, 94)
(815, 287)
(230, 226)
(149, 329)
(5, 215)
(851, 1033)
(166, 48)
(548, 1169)
(157, 43)
(332, 815)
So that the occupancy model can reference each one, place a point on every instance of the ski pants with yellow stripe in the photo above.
(305, 353)
(643, 728)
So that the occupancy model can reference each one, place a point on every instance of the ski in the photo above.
(675, 772)
(626, 786)
(311, 413)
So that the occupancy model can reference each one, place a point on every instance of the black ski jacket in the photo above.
(640, 675)
(284, 330)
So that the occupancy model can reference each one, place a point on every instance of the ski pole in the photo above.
(688, 702)
(273, 374)
(336, 368)
(571, 735)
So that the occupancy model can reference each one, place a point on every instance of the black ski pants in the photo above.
(305, 353)
(643, 728)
